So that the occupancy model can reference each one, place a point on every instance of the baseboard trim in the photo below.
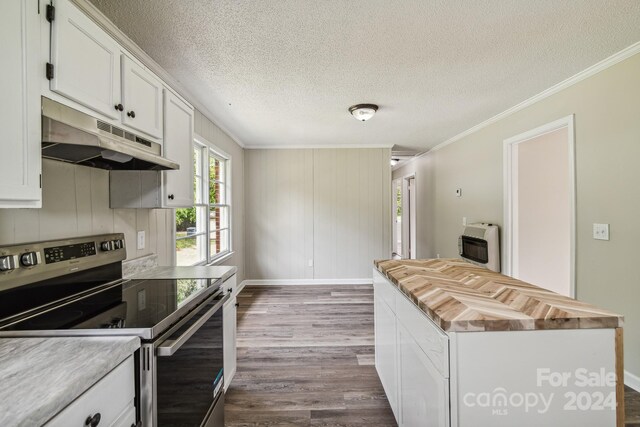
(632, 381)
(290, 282)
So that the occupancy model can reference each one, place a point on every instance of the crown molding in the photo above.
(317, 146)
(105, 23)
(614, 59)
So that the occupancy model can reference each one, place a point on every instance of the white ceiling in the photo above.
(283, 73)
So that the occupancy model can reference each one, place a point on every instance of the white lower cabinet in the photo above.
(386, 351)
(229, 316)
(424, 391)
(417, 391)
(109, 402)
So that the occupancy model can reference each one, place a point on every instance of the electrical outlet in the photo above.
(464, 221)
(458, 192)
(601, 231)
(310, 263)
(141, 240)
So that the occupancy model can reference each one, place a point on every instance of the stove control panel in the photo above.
(67, 252)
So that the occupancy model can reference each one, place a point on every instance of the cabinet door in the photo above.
(230, 351)
(178, 146)
(86, 61)
(20, 162)
(142, 98)
(424, 391)
(386, 354)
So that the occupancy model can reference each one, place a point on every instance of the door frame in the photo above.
(407, 236)
(509, 169)
(395, 183)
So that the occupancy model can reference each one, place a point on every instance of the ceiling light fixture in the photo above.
(363, 112)
(394, 162)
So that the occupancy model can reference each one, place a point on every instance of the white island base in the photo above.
(560, 377)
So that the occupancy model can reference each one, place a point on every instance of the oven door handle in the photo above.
(170, 347)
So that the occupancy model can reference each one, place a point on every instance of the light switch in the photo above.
(458, 192)
(141, 240)
(601, 231)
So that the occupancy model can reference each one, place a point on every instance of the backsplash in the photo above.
(75, 202)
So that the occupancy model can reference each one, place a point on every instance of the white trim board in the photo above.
(631, 380)
(307, 282)
(316, 146)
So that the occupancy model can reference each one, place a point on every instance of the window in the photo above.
(203, 232)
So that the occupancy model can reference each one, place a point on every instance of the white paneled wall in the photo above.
(76, 203)
(328, 206)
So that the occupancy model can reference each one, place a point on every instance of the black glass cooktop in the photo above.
(133, 304)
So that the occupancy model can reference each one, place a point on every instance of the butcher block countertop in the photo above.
(459, 296)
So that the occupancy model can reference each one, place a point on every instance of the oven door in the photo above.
(189, 371)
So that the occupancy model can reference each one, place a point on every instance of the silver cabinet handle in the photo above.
(170, 347)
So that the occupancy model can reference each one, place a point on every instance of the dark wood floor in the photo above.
(305, 358)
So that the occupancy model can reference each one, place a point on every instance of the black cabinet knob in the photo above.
(93, 421)
(119, 107)
(230, 290)
(132, 114)
(170, 196)
(138, 424)
(237, 304)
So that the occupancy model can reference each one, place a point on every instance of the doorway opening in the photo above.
(539, 194)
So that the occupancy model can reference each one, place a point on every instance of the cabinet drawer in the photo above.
(110, 397)
(384, 290)
(431, 339)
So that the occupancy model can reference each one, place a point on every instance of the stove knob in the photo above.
(8, 263)
(29, 259)
(117, 244)
(106, 246)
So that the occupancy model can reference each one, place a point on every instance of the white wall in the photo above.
(542, 218)
(75, 202)
(607, 135)
(330, 206)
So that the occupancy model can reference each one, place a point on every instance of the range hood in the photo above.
(71, 136)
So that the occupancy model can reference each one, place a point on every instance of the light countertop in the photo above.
(42, 376)
(460, 296)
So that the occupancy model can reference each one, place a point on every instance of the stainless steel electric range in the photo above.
(74, 287)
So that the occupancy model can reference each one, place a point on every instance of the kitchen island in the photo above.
(459, 345)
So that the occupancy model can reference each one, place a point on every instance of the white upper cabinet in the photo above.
(178, 146)
(142, 98)
(91, 70)
(20, 162)
(86, 61)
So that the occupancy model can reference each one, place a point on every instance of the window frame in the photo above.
(208, 151)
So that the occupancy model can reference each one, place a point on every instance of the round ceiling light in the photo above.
(363, 112)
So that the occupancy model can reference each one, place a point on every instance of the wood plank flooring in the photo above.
(305, 358)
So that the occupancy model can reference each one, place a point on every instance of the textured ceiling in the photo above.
(283, 73)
